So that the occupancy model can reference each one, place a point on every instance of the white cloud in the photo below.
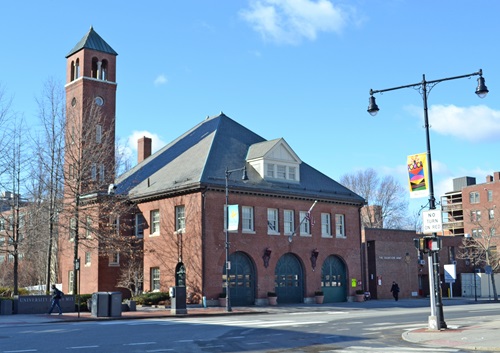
(476, 123)
(157, 142)
(290, 21)
(160, 80)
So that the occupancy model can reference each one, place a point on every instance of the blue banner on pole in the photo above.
(233, 220)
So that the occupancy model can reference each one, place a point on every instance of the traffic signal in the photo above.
(420, 244)
(426, 244)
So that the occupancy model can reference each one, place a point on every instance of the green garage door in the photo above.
(289, 279)
(241, 279)
(334, 279)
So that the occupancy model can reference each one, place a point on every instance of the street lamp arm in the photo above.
(418, 84)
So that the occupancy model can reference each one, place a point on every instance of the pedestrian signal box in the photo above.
(426, 244)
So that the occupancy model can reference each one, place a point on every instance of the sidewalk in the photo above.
(479, 333)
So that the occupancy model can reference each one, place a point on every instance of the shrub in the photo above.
(83, 302)
(360, 291)
(271, 294)
(318, 292)
(151, 298)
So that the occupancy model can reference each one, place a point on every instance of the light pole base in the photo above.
(433, 323)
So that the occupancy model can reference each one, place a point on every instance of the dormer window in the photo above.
(270, 170)
(275, 160)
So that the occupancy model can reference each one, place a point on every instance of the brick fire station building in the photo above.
(281, 243)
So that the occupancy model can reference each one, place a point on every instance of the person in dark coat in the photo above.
(395, 290)
(56, 296)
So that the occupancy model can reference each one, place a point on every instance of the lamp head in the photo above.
(481, 89)
(372, 106)
(244, 177)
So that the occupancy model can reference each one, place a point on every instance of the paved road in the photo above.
(377, 326)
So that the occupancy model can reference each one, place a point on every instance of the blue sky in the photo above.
(297, 69)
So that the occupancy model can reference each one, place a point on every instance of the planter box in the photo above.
(359, 298)
(273, 300)
(319, 299)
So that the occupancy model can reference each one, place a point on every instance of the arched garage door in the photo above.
(334, 279)
(241, 279)
(289, 279)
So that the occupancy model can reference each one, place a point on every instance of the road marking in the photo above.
(394, 326)
(83, 347)
(363, 349)
(24, 350)
(138, 343)
(160, 350)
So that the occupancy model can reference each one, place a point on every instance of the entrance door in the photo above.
(241, 279)
(334, 280)
(288, 277)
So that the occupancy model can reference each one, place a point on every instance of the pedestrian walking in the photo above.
(395, 290)
(56, 296)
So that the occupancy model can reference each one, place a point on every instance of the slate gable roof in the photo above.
(200, 157)
(92, 41)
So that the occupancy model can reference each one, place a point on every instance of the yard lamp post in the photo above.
(226, 230)
(434, 281)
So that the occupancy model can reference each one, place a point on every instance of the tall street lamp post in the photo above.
(226, 229)
(434, 280)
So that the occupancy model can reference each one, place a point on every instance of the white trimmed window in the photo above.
(491, 213)
(98, 133)
(155, 279)
(305, 226)
(474, 197)
(339, 226)
(88, 227)
(272, 221)
(270, 170)
(155, 222)
(288, 222)
(292, 174)
(101, 173)
(475, 216)
(490, 195)
(180, 218)
(326, 225)
(281, 171)
(247, 219)
(88, 258)
(114, 259)
(93, 171)
(72, 229)
(139, 225)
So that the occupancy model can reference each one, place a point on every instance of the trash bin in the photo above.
(115, 304)
(100, 304)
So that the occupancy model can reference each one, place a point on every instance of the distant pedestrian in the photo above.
(395, 290)
(56, 296)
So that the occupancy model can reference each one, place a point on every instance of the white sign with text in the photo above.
(432, 221)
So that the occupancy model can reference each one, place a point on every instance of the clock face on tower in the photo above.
(99, 101)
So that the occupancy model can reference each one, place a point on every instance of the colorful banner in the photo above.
(418, 181)
(234, 218)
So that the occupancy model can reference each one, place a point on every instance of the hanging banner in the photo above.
(418, 180)
(232, 223)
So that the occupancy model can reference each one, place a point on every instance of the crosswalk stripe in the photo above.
(364, 349)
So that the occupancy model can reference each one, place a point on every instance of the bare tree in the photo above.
(15, 163)
(387, 204)
(481, 247)
(47, 174)
(94, 217)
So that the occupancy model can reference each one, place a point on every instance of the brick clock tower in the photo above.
(89, 161)
(91, 108)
